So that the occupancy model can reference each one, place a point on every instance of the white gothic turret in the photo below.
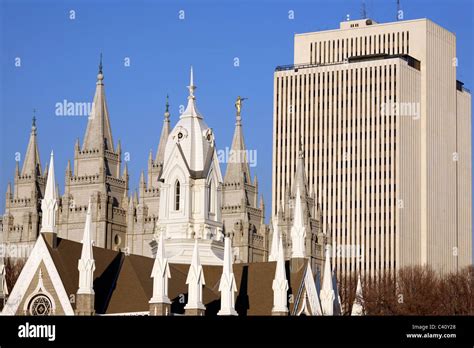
(298, 229)
(280, 284)
(195, 281)
(86, 264)
(49, 204)
(191, 189)
(227, 286)
(327, 294)
(275, 240)
(160, 274)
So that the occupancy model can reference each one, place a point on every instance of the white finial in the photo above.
(191, 86)
(195, 281)
(327, 290)
(227, 286)
(298, 230)
(86, 264)
(49, 204)
(280, 283)
(275, 240)
(160, 274)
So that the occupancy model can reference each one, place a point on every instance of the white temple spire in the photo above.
(280, 283)
(49, 204)
(227, 285)
(160, 274)
(327, 290)
(298, 230)
(195, 282)
(357, 306)
(86, 264)
(275, 240)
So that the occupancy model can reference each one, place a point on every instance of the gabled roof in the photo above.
(123, 283)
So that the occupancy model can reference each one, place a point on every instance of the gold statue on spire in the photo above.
(238, 104)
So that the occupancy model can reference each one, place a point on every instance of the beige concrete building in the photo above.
(386, 133)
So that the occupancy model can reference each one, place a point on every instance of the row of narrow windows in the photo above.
(352, 78)
(332, 51)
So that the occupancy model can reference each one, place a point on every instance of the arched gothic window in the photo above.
(177, 194)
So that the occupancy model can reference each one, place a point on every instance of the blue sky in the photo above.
(59, 59)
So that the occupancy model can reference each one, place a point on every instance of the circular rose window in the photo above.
(40, 305)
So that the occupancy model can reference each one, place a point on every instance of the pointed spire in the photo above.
(191, 109)
(195, 281)
(98, 132)
(327, 294)
(45, 171)
(299, 181)
(160, 274)
(119, 147)
(275, 247)
(358, 305)
(337, 297)
(125, 171)
(298, 229)
(280, 283)
(49, 204)
(32, 163)
(135, 198)
(86, 264)
(68, 168)
(238, 166)
(77, 147)
(227, 285)
(165, 131)
(191, 86)
(142, 180)
(3, 280)
(9, 190)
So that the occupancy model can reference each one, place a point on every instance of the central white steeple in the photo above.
(190, 189)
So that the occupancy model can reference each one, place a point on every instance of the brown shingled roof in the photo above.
(123, 284)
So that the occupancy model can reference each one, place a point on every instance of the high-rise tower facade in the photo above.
(386, 132)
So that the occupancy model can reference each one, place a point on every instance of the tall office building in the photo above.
(386, 132)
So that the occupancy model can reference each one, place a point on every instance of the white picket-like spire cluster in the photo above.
(280, 283)
(275, 240)
(327, 294)
(160, 274)
(86, 264)
(49, 204)
(357, 306)
(227, 285)
(195, 281)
